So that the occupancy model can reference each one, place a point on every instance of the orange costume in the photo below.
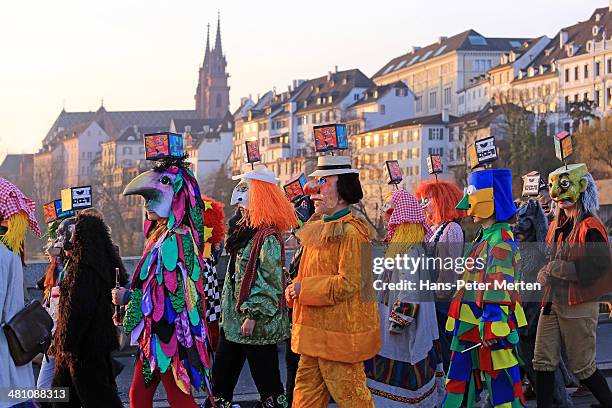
(335, 319)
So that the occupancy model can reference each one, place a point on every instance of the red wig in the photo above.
(269, 206)
(214, 217)
(443, 197)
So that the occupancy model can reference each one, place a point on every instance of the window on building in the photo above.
(382, 109)
(575, 73)
(567, 73)
(586, 72)
(447, 96)
(418, 102)
(576, 98)
(585, 97)
(400, 155)
(609, 65)
(89, 155)
(597, 68)
(596, 98)
(433, 100)
(567, 102)
(300, 137)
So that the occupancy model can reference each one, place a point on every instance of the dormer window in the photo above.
(330, 99)
(589, 46)
(305, 104)
(595, 30)
(569, 49)
(530, 71)
(344, 81)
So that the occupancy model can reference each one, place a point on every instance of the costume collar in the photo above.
(494, 229)
(337, 214)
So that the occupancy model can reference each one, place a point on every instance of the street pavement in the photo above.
(246, 394)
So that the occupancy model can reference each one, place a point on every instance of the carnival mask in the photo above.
(568, 182)
(489, 192)
(240, 194)
(323, 193)
(157, 188)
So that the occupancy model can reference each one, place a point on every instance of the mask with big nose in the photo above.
(323, 192)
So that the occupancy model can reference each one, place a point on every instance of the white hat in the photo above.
(259, 172)
(333, 165)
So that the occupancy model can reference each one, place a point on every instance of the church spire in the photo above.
(207, 53)
(218, 48)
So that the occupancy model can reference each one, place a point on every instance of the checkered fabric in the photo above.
(211, 292)
(406, 209)
(12, 200)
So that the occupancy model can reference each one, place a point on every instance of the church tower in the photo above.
(212, 93)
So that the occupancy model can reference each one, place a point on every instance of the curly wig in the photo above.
(268, 206)
(214, 217)
(443, 197)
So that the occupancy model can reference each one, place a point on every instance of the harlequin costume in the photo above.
(439, 199)
(214, 234)
(492, 314)
(407, 369)
(335, 322)
(253, 289)
(17, 214)
(578, 274)
(167, 312)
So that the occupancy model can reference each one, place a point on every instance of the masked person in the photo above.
(85, 334)
(254, 314)
(408, 369)
(334, 328)
(167, 311)
(17, 214)
(579, 272)
(60, 231)
(439, 199)
(485, 319)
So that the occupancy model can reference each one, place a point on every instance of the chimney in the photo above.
(415, 48)
(440, 39)
(329, 75)
(336, 67)
(563, 36)
(445, 115)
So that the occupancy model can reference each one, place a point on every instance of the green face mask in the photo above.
(567, 183)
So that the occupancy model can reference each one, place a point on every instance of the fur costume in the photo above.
(82, 349)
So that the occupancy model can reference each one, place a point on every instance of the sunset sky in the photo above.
(144, 55)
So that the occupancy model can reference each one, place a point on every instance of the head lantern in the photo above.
(489, 192)
(569, 183)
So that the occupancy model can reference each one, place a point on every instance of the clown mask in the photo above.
(324, 194)
(567, 183)
(157, 188)
(240, 194)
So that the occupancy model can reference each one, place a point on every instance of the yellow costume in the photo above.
(335, 319)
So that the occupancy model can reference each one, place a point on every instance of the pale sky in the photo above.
(145, 55)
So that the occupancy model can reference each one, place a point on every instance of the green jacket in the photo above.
(264, 302)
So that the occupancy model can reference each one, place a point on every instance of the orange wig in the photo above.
(214, 217)
(443, 197)
(268, 206)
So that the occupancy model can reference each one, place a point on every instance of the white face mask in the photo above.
(240, 195)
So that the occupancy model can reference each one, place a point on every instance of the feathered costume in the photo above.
(167, 311)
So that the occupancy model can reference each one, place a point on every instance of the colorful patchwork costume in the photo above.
(167, 312)
(490, 314)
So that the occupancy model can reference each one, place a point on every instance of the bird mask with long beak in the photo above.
(171, 192)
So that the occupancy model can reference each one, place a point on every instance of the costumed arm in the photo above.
(12, 271)
(266, 292)
(333, 289)
(497, 320)
(589, 268)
